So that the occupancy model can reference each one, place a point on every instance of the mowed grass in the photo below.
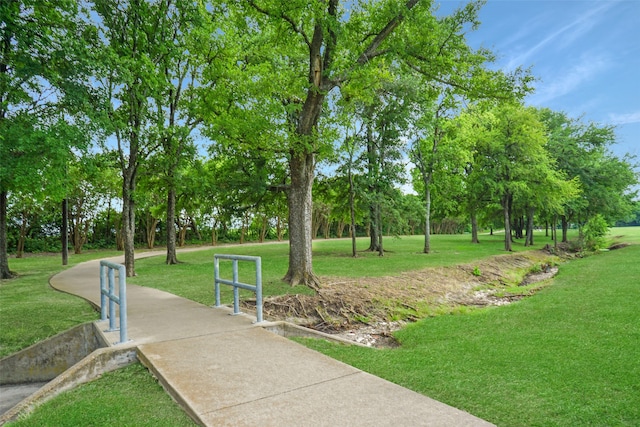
(192, 278)
(30, 310)
(127, 397)
(568, 356)
(462, 359)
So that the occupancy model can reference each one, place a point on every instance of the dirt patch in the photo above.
(369, 309)
(618, 246)
(547, 271)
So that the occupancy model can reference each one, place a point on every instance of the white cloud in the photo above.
(626, 118)
(564, 82)
(565, 35)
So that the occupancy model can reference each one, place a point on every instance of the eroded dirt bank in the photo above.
(369, 309)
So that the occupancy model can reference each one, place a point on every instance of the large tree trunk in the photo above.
(427, 218)
(129, 221)
(565, 228)
(5, 273)
(300, 213)
(172, 257)
(507, 222)
(64, 232)
(301, 164)
(474, 226)
(529, 240)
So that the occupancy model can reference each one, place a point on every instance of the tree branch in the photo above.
(372, 50)
(282, 15)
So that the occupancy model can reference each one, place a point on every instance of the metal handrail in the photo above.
(237, 284)
(107, 291)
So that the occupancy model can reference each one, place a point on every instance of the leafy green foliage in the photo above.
(594, 232)
(43, 99)
(581, 152)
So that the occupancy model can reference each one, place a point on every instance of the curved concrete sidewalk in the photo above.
(226, 371)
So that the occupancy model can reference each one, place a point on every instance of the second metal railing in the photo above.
(235, 282)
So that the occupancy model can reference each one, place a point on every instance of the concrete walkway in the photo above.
(226, 371)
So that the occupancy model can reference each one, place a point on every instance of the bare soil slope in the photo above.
(369, 309)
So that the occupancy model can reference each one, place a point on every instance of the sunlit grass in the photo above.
(192, 278)
(30, 310)
(127, 397)
(568, 356)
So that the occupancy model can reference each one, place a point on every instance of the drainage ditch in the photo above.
(46, 369)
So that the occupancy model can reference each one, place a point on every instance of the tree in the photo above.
(131, 34)
(331, 45)
(512, 158)
(184, 29)
(582, 153)
(42, 66)
(386, 121)
(86, 188)
(424, 155)
(440, 159)
(468, 80)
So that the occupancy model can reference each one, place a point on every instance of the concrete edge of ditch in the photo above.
(288, 330)
(89, 367)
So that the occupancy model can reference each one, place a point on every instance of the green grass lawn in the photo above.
(568, 356)
(126, 397)
(30, 310)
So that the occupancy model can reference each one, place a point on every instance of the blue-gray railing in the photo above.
(108, 291)
(237, 284)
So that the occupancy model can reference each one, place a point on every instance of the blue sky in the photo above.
(586, 55)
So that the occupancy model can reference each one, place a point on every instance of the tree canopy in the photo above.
(256, 119)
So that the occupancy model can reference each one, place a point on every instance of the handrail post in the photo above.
(103, 288)
(259, 290)
(122, 300)
(216, 274)
(236, 290)
(112, 305)
(108, 291)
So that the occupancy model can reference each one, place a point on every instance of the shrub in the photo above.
(594, 231)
